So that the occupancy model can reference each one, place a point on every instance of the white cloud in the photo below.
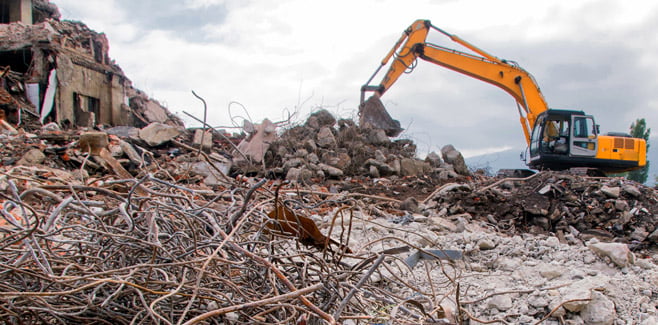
(196, 4)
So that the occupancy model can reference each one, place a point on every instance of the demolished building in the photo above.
(60, 71)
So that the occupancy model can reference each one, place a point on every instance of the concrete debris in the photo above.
(203, 139)
(528, 251)
(373, 115)
(616, 252)
(599, 311)
(611, 191)
(157, 133)
(454, 157)
(256, 144)
(32, 157)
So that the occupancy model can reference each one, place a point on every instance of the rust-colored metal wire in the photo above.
(95, 254)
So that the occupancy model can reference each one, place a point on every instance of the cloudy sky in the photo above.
(274, 58)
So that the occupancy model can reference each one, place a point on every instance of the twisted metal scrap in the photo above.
(105, 254)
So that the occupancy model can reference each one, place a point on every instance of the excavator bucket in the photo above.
(373, 115)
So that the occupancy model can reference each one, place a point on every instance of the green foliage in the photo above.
(639, 130)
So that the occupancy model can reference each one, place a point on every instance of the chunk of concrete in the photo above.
(330, 170)
(93, 142)
(599, 311)
(158, 133)
(32, 157)
(203, 138)
(255, 146)
(618, 253)
(631, 190)
(455, 158)
(321, 118)
(373, 115)
(412, 167)
(500, 302)
(325, 138)
(612, 192)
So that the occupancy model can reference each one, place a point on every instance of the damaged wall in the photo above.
(16, 11)
(89, 96)
(64, 70)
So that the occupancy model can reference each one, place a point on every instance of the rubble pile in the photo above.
(163, 224)
(550, 202)
(326, 148)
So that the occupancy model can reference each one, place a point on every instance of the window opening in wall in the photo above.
(4, 12)
(18, 60)
(86, 109)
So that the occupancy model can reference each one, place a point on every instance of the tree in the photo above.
(639, 130)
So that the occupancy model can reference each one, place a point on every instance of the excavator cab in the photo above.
(553, 134)
(563, 138)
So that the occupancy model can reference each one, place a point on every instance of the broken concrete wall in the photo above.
(91, 89)
(88, 96)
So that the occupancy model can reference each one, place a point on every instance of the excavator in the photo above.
(557, 139)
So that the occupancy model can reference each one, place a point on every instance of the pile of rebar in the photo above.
(153, 251)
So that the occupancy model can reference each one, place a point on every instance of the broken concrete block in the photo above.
(158, 133)
(330, 170)
(382, 167)
(340, 160)
(93, 142)
(155, 112)
(130, 151)
(599, 311)
(379, 156)
(443, 224)
(455, 158)
(206, 137)
(124, 132)
(373, 172)
(412, 167)
(293, 163)
(32, 157)
(320, 119)
(325, 138)
(486, 244)
(310, 145)
(433, 159)
(377, 137)
(550, 271)
(631, 190)
(612, 192)
(618, 253)
(576, 297)
(299, 175)
(255, 146)
(373, 115)
(500, 302)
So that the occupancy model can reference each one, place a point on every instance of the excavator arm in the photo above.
(483, 66)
